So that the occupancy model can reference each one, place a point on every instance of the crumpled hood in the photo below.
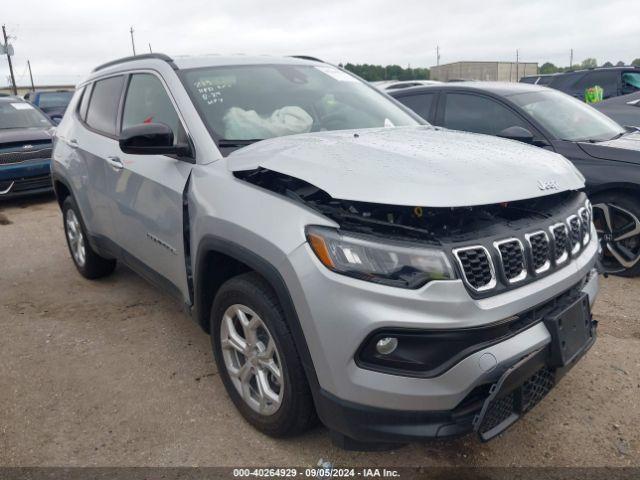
(413, 166)
(623, 149)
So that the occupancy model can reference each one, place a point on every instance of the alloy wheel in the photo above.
(252, 359)
(619, 234)
(76, 238)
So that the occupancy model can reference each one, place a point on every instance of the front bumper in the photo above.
(26, 178)
(337, 313)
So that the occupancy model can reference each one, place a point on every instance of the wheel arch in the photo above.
(218, 260)
(618, 188)
(61, 189)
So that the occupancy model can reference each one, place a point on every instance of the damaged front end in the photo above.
(491, 247)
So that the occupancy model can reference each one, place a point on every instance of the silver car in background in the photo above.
(349, 261)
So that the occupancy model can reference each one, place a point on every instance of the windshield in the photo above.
(54, 99)
(256, 102)
(567, 118)
(21, 115)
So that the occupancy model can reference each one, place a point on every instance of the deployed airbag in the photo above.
(243, 124)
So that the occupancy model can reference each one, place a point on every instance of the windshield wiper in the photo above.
(225, 143)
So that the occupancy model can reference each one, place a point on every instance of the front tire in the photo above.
(87, 261)
(257, 359)
(617, 220)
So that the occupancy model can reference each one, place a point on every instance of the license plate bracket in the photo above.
(571, 330)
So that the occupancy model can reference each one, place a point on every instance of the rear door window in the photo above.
(608, 80)
(478, 114)
(147, 101)
(103, 106)
(421, 103)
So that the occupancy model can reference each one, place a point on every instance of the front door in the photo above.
(148, 190)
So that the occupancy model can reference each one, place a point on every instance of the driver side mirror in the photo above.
(520, 134)
(151, 139)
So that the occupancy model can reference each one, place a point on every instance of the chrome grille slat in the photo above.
(575, 240)
(511, 253)
(477, 267)
(540, 251)
(560, 234)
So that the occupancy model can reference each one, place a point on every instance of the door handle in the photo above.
(73, 143)
(115, 162)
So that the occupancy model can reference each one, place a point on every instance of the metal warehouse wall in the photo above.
(486, 71)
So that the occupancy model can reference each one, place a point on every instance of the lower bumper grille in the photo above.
(24, 185)
(506, 410)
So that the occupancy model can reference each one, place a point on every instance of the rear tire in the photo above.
(257, 358)
(624, 214)
(87, 261)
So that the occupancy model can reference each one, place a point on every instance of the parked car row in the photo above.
(607, 154)
(350, 262)
(614, 81)
(25, 148)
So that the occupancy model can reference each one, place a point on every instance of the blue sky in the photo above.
(66, 38)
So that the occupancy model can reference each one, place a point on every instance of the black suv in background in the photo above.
(614, 81)
(605, 153)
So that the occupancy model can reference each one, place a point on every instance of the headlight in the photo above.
(402, 265)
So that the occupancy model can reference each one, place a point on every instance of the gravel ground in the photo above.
(111, 373)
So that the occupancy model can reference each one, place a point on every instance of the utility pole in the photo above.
(571, 60)
(133, 44)
(33, 88)
(150, 51)
(517, 64)
(6, 46)
(438, 55)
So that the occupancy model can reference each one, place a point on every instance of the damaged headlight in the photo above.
(397, 264)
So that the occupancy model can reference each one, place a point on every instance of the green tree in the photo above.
(607, 64)
(636, 62)
(373, 73)
(620, 63)
(548, 67)
(589, 63)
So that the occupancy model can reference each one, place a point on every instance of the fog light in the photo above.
(386, 345)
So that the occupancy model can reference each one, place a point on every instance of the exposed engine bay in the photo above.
(425, 224)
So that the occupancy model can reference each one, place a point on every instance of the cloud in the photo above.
(65, 39)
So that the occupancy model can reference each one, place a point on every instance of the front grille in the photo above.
(575, 236)
(539, 244)
(561, 240)
(477, 267)
(18, 156)
(512, 255)
(524, 256)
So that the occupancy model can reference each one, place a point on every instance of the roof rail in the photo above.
(145, 56)
(307, 57)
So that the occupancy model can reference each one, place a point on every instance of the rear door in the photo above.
(148, 189)
(94, 141)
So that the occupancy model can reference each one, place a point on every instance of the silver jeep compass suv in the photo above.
(350, 262)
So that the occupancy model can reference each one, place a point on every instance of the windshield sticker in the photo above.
(21, 106)
(336, 74)
(211, 89)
